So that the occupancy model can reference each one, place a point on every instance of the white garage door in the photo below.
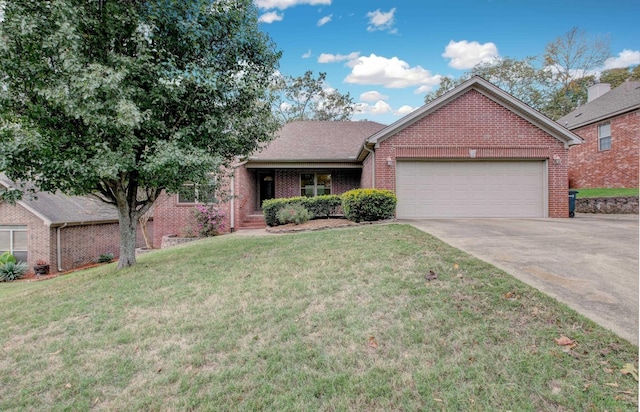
(470, 189)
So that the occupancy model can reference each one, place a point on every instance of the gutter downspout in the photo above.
(58, 247)
(232, 217)
(373, 169)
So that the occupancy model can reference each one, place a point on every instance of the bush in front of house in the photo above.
(319, 206)
(271, 207)
(11, 271)
(367, 205)
(209, 220)
(322, 206)
(293, 213)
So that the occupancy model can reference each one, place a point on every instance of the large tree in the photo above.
(126, 98)
(309, 98)
(523, 79)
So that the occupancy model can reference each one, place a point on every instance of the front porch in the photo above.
(256, 183)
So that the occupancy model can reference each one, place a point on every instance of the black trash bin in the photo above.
(572, 202)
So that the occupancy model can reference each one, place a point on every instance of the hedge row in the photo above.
(358, 205)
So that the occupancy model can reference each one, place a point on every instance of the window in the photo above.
(315, 184)
(191, 193)
(13, 239)
(604, 136)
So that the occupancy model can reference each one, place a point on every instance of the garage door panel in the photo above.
(470, 189)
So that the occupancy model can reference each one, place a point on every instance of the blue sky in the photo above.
(389, 54)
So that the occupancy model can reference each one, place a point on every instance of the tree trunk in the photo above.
(128, 232)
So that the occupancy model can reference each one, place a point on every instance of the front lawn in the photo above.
(342, 319)
(607, 192)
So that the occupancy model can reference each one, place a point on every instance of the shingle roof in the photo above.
(57, 209)
(311, 141)
(622, 99)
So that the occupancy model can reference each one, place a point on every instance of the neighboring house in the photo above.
(65, 231)
(609, 124)
(476, 151)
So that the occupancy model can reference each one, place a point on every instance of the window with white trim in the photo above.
(14, 239)
(315, 184)
(604, 136)
(192, 193)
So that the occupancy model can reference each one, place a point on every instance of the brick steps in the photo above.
(253, 221)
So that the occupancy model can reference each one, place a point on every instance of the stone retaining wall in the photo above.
(173, 240)
(609, 205)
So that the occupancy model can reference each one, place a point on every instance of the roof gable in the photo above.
(57, 208)
(317, 141)
(622, 99)
(490, 91)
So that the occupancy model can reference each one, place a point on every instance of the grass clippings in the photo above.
(332, 320)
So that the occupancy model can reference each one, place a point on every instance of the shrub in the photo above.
(106, 258)
(11, 271)
(209, 220)
(319, 206)
(7, 257)
(293, 213)
(322, 206)
(368, 204)
(271, 207)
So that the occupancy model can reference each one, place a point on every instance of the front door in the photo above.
(266, 186)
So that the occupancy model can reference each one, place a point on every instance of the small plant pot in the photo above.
(41, 270)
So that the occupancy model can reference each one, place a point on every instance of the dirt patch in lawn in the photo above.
(319, 224)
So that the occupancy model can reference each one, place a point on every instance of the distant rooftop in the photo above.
(58, 209)
(622, 99)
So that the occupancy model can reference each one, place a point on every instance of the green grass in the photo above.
(607, 192)
(332, 320)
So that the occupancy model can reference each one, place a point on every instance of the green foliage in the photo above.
(7, 257)
(319, 206)
(11, 271)
(322, 206)
(293, 213)
(306, 98)
(105, 258)
(271, 207)
(369, 204)
(124, 99)
(209, 219)
(524, 79)
(615, 77)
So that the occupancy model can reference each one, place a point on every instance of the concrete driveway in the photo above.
(589, 262)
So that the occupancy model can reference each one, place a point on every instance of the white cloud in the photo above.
(333, 58)
(404, 110)
(325, 20)
(392, 73)
(307, 54)
(373, 96)
(379, 108)
(464, 55)
(285, 4)
(271, 17)
(379, 20)
(625, 58)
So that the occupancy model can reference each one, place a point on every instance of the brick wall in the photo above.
(173, 218)
(366, 179)
(246, 192)
(474, 122)
(616, 167)
(39, 246)
(80, 245)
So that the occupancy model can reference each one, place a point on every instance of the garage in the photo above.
(456, 189)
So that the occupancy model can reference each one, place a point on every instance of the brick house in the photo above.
(609, 124)
(65, 231)
(476, 151)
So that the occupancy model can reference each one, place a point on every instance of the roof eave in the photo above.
(604, 117)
